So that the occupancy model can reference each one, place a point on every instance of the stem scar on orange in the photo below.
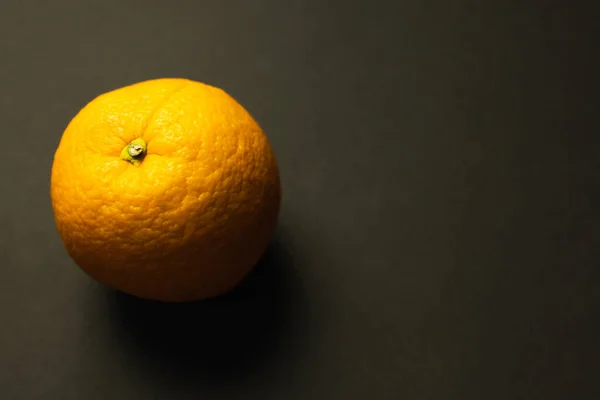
(165, 189)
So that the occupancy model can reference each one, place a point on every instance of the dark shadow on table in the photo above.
(255, 327)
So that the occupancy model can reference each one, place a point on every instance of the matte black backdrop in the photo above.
(438, 238)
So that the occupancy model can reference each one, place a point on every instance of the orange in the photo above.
(166, 189)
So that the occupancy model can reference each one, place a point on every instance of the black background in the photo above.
(438, 237)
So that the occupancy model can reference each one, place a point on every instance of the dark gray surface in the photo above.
(439, 232)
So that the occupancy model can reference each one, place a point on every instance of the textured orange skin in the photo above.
(193, 218)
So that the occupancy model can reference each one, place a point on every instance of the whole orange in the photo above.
(166, 189)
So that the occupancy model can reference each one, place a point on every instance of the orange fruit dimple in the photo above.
(189, 216)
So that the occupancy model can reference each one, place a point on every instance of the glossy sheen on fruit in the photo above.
(189, 220)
